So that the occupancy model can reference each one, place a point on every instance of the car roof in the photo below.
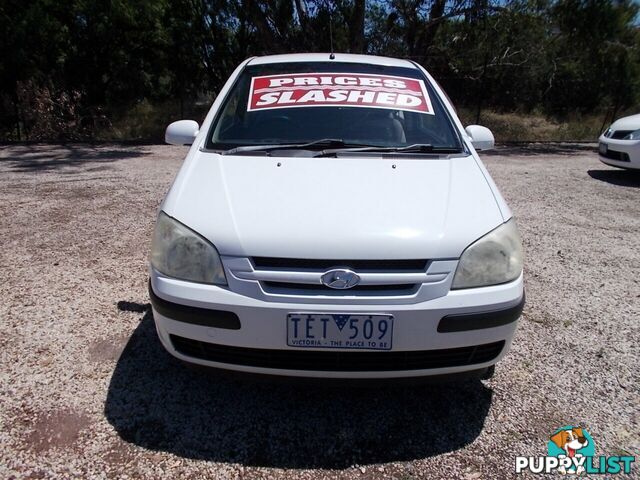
(339, 57)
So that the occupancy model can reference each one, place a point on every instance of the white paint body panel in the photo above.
(630, 147)
(336, 208)
(263, 323)
(631, 122)
(358, 208)
(339, 57)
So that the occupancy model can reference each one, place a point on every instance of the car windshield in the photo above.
(331, 103)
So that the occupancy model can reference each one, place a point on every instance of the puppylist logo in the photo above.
(571, 450)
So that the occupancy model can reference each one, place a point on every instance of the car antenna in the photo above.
(331, 55)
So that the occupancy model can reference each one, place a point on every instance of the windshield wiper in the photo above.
(322, 144)
(331, 146)
(415, 148)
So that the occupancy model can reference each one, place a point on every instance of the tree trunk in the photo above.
(301, 8)
(267, 38)
(356, 28)
(428, 34)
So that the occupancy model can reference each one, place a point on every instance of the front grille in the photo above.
(296, 263)
(338, 361)
(285, 270)
(398, 289)
(620, 134)
(613, 155)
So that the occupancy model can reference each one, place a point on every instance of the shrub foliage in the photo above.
(77, 69)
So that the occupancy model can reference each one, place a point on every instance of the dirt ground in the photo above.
(86, 390)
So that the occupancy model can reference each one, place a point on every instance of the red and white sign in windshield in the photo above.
(338, 89)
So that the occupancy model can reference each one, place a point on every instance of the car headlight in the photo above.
(493, 259)
(635, 135)
(179, 252)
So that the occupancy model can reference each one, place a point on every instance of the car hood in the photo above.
(627, 123)
(337, 208)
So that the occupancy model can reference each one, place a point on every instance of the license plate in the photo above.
(337, 330)
(602, 148)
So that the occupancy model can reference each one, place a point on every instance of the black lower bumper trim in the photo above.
(615, 155)
(195, 315)
(338, 361)
(476, 321)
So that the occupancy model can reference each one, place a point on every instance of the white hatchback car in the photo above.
(620, 144)
(332, 219)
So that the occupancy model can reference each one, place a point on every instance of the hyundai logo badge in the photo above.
(340, 279)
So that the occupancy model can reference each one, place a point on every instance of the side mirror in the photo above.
(481, 137)
(182, 132)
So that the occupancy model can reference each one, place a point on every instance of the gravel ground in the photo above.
(86, 389)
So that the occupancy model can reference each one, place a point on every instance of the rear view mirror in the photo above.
(182, 132)
(481, 137)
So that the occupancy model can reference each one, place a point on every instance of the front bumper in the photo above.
(465, 330)
(619, 153)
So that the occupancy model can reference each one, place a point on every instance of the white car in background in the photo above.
(332, 219)
(620, 144)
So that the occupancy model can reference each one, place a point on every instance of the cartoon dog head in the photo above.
(570, 440)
